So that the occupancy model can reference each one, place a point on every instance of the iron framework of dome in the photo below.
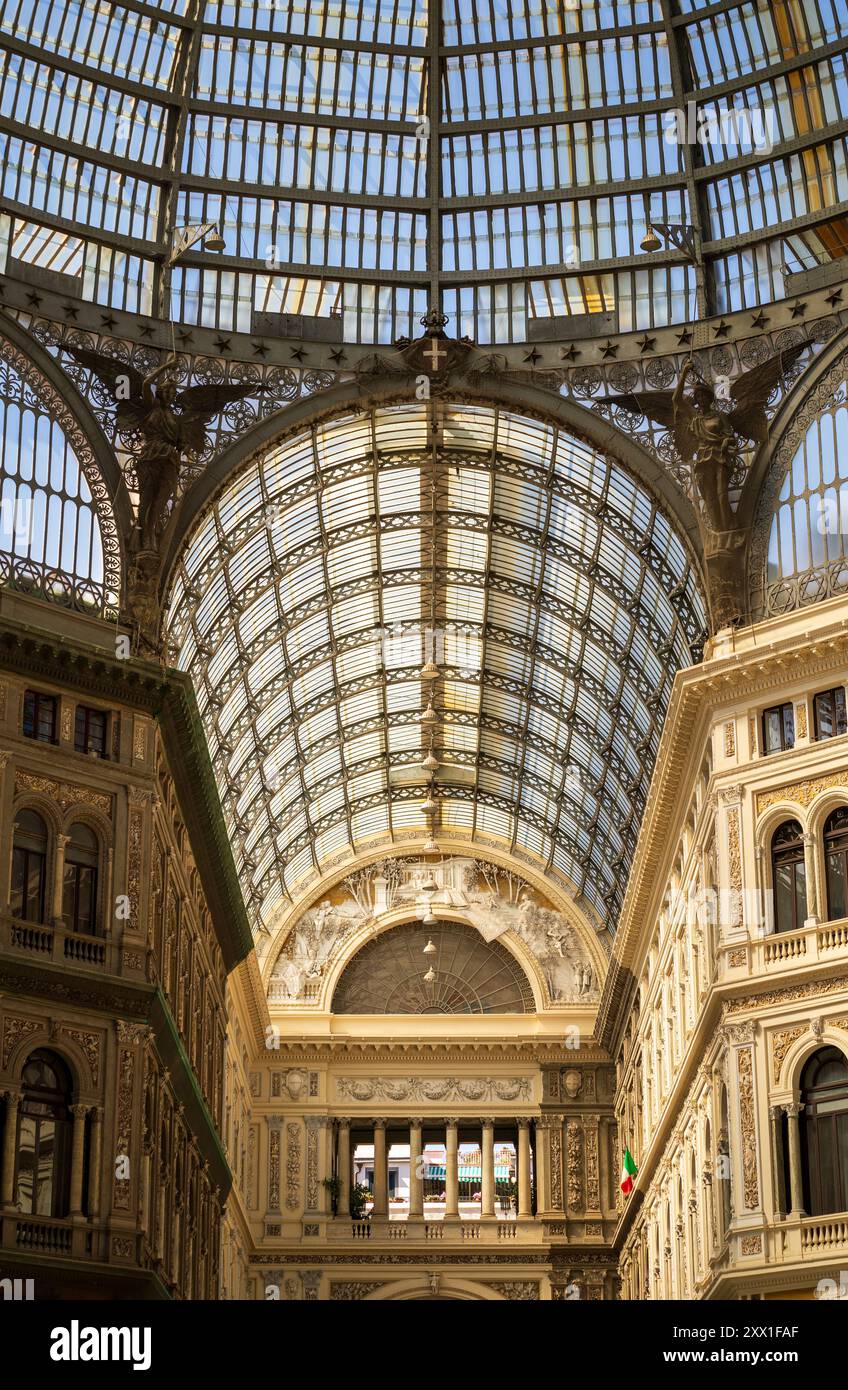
(546, 590)
(367, 161)
(468, 974)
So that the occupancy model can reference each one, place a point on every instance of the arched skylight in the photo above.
(542, 581)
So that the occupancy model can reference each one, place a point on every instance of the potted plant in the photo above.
(359, 1195)
(334, 1187)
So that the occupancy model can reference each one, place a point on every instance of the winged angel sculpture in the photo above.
(170, 425)
(711, 440)
(165, 425)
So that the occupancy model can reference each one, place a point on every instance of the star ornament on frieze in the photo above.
(434, 354)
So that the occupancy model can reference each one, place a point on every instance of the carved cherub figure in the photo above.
(171, 425)
(709, 438)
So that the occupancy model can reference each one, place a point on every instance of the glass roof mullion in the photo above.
(537, 616)
(380, 581)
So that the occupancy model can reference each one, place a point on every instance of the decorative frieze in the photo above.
(808, 989)
(434, 1089)
(801, 793)
(352, 1291)
(517, 1290)
(64, 793)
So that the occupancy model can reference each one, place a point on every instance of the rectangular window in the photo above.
(829, 713)
(778, 728)
(90, 731)
(40, 716)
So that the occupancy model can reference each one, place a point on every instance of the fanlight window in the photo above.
(441, 969)
(50, 537)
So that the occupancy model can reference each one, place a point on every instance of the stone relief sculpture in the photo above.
(301, 963)
(493, 900)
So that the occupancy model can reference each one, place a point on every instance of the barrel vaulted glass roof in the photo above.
(368, 159)
(542, 582)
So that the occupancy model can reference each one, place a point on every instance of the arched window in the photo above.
(824, 1096)
(29, 867)
(79, 889)
(789, 877)
(836, 862)
(42, 1180)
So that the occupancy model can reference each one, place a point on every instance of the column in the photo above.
(381, 1170)
(796, 1185)
(94, 1169)
(543, 1169)
(344, 1168)
(524, 1190)
(9, 863)
(10, 1135)
(487, 1209)
(452, 1170)
(810, 875)
(59, 878)
(79, 1113)
(416, 1175)
(776, 1116)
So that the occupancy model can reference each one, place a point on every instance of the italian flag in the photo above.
(628, 1173)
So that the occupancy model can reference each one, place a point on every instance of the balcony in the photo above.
(57, 946)
(817, 943)
(426, 1231)
(810, 1238)
(44, 1235)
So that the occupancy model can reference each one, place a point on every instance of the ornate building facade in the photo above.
(423, 631)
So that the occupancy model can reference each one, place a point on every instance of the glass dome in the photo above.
(499, 159)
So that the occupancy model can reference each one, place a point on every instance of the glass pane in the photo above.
(772, 730)
(18, 880)
(45, 1165)
(26, 1162)
(800, 894)
(836, 885)
(783, 897)
(33, 906)
(824, 715)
